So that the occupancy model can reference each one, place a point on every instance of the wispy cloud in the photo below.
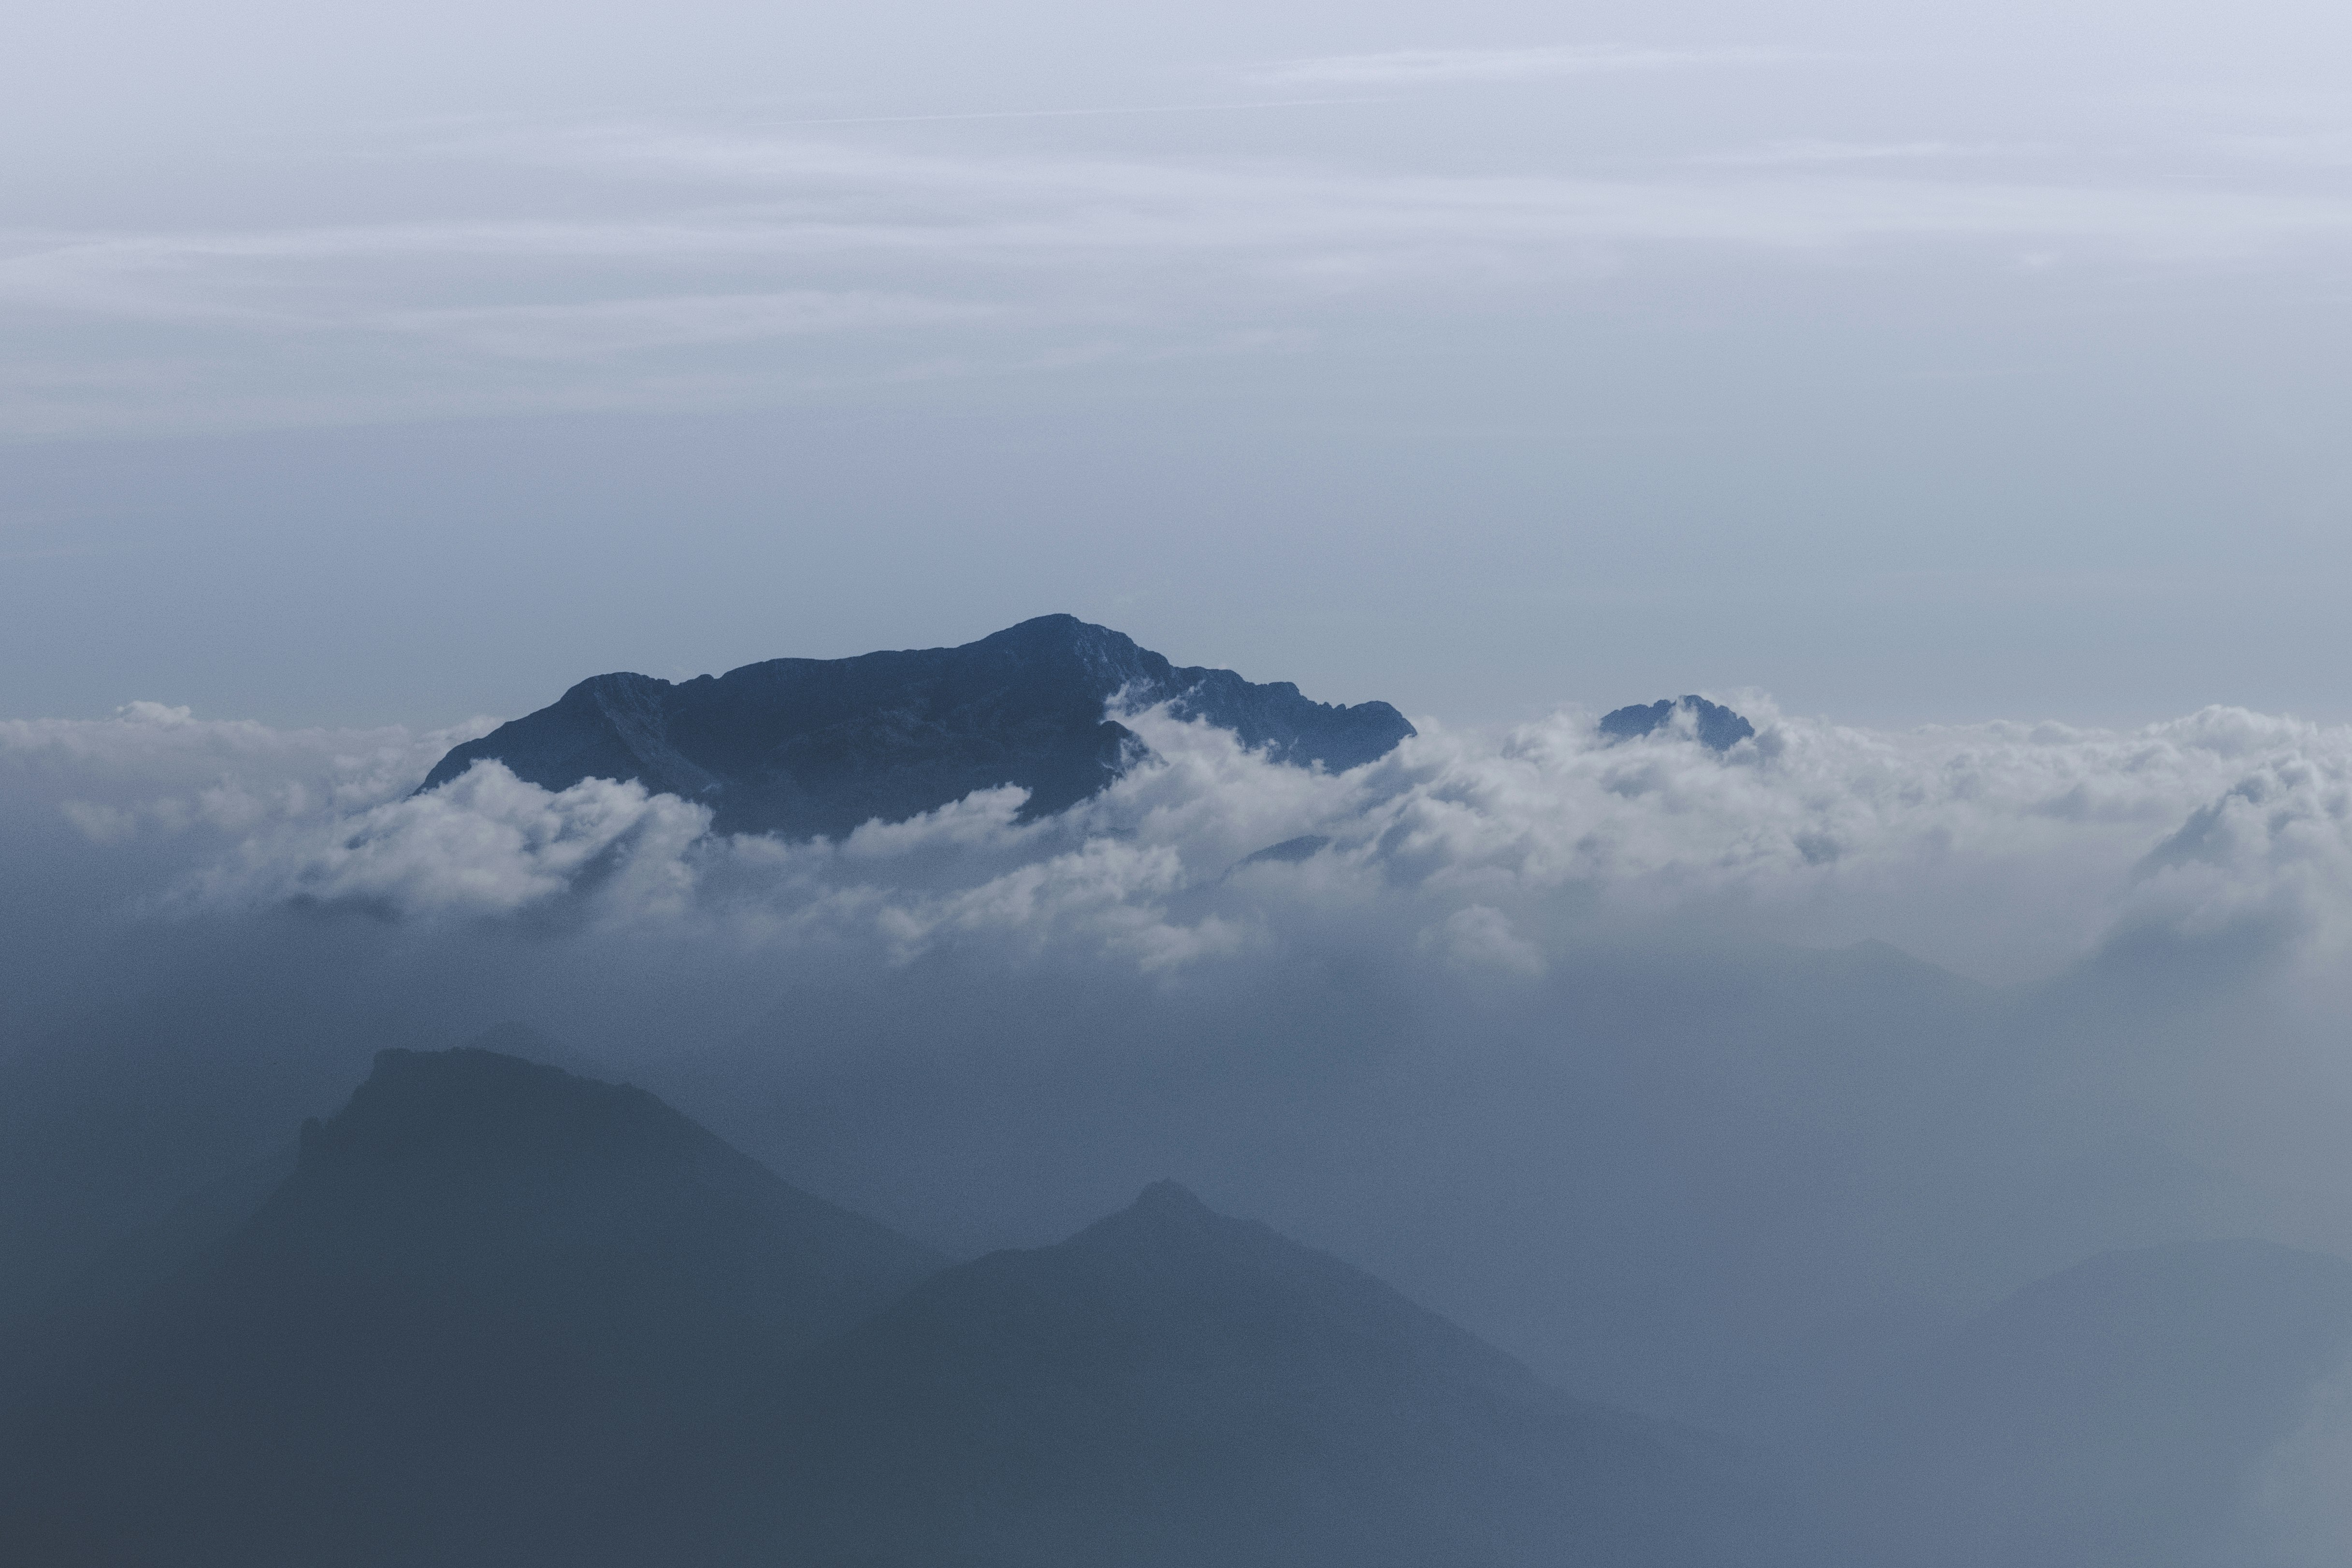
(1411, 68)
(1802, 151)
(609, 327)
(733, 264)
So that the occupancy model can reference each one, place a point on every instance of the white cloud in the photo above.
(2004, 849)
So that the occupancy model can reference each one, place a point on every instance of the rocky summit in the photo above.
(1717, 728)
(807, 746)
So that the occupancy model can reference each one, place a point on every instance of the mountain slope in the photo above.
(486, 1290)
(1174, 1387)
(2111, 1416)
(803, 746)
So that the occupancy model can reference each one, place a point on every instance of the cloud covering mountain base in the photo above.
(1573, 1039)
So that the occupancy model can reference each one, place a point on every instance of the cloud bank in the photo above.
(2009, 851)
(1550, 1030)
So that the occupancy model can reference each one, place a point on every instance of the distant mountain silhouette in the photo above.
(500, 1315)
(1719, 728)
(488, 1289)
(803, 746)
(1175, 1387)
(2108, 1417)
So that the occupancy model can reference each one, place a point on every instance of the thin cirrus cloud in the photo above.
(1416, 67)
(1801, 151)
(604, 327)
(787, 260)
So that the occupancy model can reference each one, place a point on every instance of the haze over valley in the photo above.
(1173, 786)
(1796, 1088)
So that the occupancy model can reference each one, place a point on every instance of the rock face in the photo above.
(1719, 728)
(1172, 1388)
(802, 746)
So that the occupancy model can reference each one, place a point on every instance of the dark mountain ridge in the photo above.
(1175, 1387)
(499, 1314)
(487, 1288)
(803, 746)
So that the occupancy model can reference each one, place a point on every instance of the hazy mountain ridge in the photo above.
(500, 1314)
(1173, 1386)
(488, 1287)
(491, 1292)
(802, 746)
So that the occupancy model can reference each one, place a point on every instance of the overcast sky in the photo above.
(366, 365)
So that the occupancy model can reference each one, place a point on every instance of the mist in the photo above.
(1699, 1081)
(1929, 1108)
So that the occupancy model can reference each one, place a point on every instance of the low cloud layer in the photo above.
(2009, 852)
(1550, 1031)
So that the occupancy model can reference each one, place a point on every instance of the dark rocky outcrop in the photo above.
(803, 746)
(1718, 728)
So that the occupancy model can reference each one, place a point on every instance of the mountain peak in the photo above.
(475, 1107)
(1717, 728)
(1170, 1195)
(803, 746)
(1175, 1386)
(489, 1290)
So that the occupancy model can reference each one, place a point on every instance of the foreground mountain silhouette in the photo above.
(803, 746)
(488, 1287)
(1174, 1387)
(501, 1316)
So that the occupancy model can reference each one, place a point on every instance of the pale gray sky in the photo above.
(363, 366)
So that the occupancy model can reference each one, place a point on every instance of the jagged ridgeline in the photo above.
(1715, 726)
(502, 1315)
(803, 746)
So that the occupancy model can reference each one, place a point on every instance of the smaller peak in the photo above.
(1717, 727)
(460, 1063)
(1164, 1214)
(477, 1105)
(1170, 1197)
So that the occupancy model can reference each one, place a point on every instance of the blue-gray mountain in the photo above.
(803, 746)
(1719, 728)
(487, 1288)
(499, 1316)
(1173, 1388)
